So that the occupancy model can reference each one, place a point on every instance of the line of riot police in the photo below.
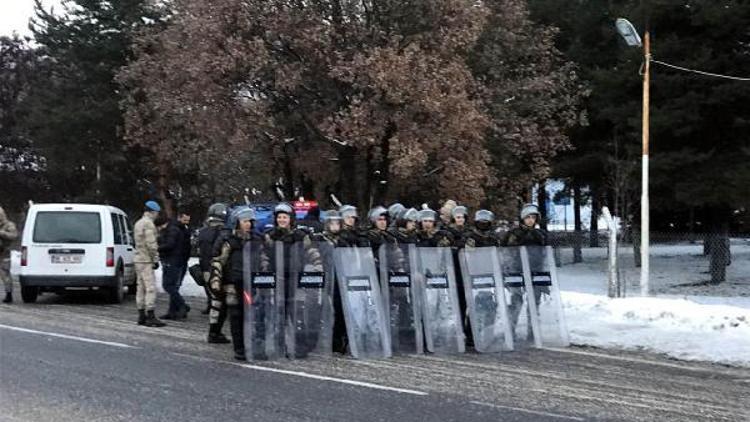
(407, 283)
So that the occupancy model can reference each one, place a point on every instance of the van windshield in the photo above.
(67, 227)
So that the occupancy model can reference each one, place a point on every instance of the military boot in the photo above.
(152, 320)
(235, 327)
(215, 336)
(8, 298)
(141, 317)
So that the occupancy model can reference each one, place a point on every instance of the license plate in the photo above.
(67, 259)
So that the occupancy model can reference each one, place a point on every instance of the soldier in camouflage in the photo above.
(429, 235)
(482, 234)
(405, 229)
(146, 261)
(8, 233)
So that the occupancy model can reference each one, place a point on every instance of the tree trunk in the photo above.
(381, 189)
(720, 254)
(162, 187)
(595, 210)
(541, 198)
(578, 234)
(347, 176)
(635, 235)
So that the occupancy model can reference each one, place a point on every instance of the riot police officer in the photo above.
(378, 234)
(526, 234)
(350, 233)
(209, 239)
(405, 229)
(458, 227)
(394, 211)
(429, 235)
(227, 274)
(482, 234)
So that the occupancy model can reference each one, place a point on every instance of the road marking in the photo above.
(67, 337)
(532, 412)
(332, 379)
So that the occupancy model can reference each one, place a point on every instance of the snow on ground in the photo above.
(685, 321)
(188, 288)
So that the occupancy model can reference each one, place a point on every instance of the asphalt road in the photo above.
(74, 358)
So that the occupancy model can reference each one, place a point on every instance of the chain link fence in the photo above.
(710, 264)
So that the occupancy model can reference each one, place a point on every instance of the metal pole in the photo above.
(644, 197)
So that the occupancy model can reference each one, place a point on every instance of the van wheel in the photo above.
(117, 292)
(29, 293)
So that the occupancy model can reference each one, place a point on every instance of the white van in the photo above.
(76, 246)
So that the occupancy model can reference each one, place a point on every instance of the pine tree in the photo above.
(72, 111)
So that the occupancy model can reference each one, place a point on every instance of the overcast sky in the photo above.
(15, 15)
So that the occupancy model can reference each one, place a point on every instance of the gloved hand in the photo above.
(215, 286)
(155, 266)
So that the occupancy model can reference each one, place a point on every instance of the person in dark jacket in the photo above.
(210, 239)
(172, 255)
(183, 220)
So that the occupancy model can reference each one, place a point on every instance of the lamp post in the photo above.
(629, 33)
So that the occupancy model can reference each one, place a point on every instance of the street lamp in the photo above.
(629, 33)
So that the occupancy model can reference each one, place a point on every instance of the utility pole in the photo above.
(631, 37)
(645, 220)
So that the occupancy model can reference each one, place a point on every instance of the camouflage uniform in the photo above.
(226, 282)
(525, 236)
(8, 233)
(477, 238)
(146, 255)
(434, 238)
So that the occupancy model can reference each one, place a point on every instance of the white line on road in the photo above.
(331, 379)
(67, 337)
(532, 412)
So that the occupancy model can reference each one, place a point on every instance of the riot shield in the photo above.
(546, 310)
(511, 265)
(485, 297)
(310, 280)
(400, 298)
(441, 315)
(264, 300)
(362, 303)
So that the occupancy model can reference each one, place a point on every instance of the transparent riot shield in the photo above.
(362, 303)
(441, 315)
(264, 300)
(485, 298)
(546, 310)
(309, 326)
(400, 298)
(511, 266)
